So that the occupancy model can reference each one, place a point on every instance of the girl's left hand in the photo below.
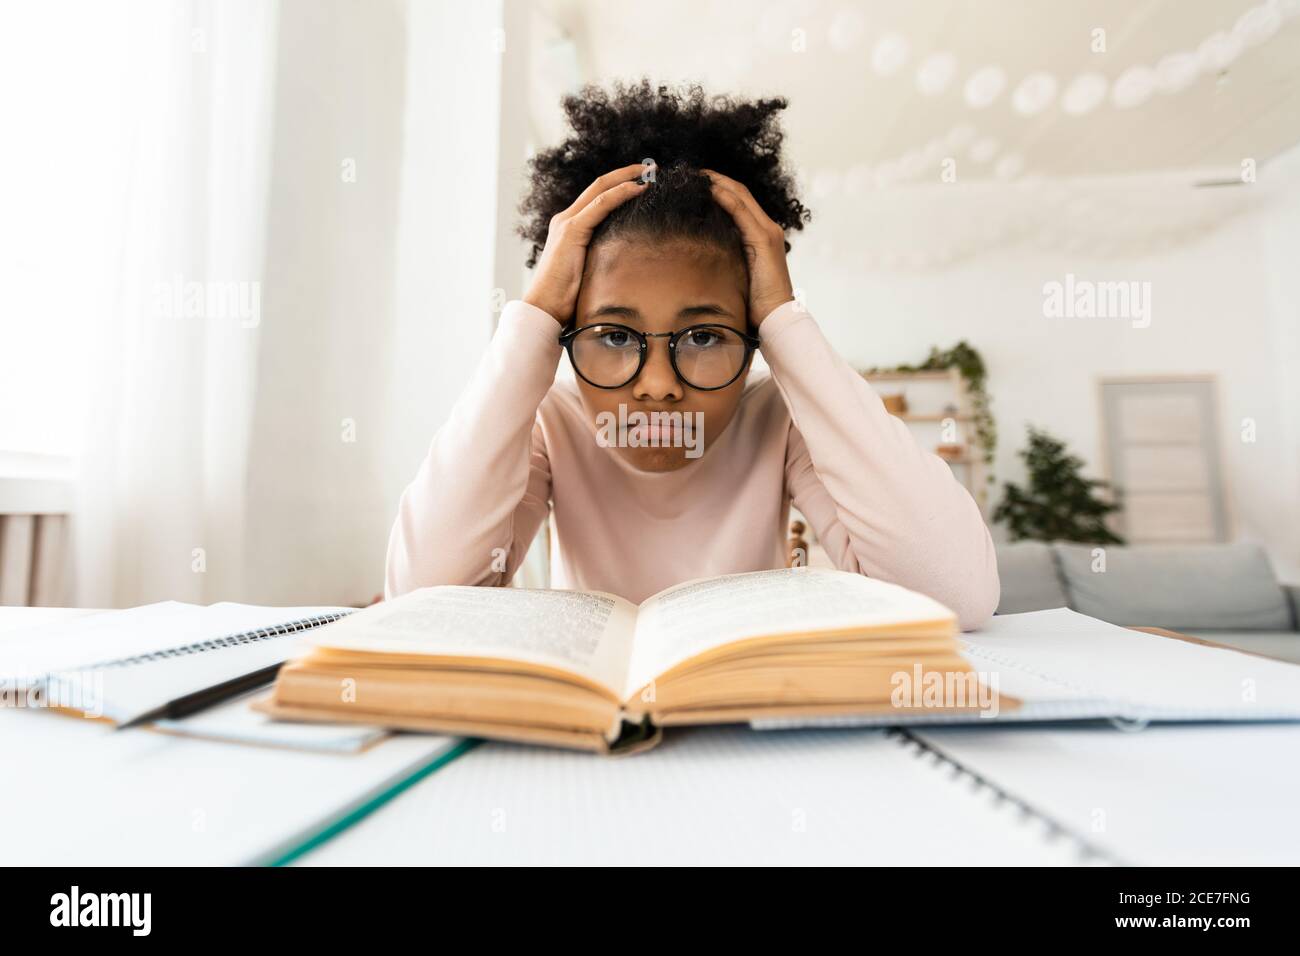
(764, 242)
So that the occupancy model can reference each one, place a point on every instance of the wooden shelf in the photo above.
(939, 375)
(938, 388)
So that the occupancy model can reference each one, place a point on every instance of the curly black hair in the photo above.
(681, 131)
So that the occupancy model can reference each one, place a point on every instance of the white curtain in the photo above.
(162, 475)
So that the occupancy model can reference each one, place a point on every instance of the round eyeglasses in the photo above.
(706, 357)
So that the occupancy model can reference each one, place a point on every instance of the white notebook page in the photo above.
(1062, 654)
(112, 635)
(91, 795)
(722, 795)
(1170, 795)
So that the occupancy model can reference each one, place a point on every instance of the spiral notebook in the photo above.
(1210, 795)
(717, 795)
(1063, 665)
(164, 660)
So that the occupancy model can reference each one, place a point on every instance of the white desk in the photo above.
(1175, 794)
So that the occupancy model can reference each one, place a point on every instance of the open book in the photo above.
(590, 670)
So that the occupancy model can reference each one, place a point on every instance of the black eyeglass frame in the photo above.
(751, 343)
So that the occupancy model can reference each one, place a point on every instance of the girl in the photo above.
(664, 459)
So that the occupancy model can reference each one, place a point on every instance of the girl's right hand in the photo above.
(554, 287)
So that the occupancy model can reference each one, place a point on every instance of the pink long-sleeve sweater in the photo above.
(812, 432)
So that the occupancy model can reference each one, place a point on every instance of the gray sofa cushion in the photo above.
(1030, 581)
(1219, 586)
(1293, 595)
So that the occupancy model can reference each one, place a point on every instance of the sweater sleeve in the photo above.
(879, 503)
(484, 487)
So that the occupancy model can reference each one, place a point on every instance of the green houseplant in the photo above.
(1059, 504)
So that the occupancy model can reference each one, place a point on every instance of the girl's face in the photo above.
(661, 288)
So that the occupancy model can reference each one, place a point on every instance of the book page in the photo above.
(678, 623)
(583, 632)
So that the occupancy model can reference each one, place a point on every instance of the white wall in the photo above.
(1280, 231)
(1226, 304)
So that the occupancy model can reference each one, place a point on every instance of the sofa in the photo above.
(1227, 593)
